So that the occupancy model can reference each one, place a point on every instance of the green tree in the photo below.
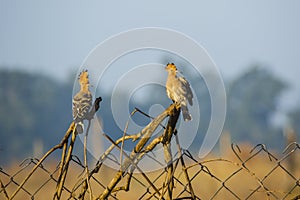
(252, 100)
(33, 107)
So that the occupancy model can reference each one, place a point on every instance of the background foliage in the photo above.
(35, 108)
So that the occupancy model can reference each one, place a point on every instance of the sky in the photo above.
(54, 37)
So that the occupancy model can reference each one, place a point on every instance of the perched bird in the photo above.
(82, 101)
(178, 89)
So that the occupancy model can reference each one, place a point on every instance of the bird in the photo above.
(179, 90)
(82, 101)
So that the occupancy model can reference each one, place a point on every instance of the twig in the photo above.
(61, 183)
(133, 166)
(184, 169)
(59, 146)
(62, 161)
(86, 163)
(146, 132)
(149, 116)
(297, 197)
(124, 134)
(167, 136)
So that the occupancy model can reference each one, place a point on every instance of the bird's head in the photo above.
(171, 67)
(84, 77)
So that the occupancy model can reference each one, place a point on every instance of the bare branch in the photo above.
(146, 133)
(59, 146)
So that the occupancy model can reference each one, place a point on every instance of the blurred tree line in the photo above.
(36, 108)
(33, 108)
(253, 99)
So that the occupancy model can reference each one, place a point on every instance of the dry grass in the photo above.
(212, 177)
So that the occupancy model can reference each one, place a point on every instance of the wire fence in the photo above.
(257, 175)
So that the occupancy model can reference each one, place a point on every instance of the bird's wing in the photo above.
(75, 108)
(185, 89)
(81, 105)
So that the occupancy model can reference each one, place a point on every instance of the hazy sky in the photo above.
(57, 35)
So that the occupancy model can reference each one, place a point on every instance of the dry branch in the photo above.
(59, 146)
(146, 134)
(184, 169)
(60, 182)
(133, 167)
(62, 144)
(167, 136)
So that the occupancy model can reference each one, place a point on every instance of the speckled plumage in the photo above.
(82, 101)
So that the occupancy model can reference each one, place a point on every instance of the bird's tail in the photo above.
(79, 127)
(185, 113)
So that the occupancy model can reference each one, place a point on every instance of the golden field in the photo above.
(257, 176)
